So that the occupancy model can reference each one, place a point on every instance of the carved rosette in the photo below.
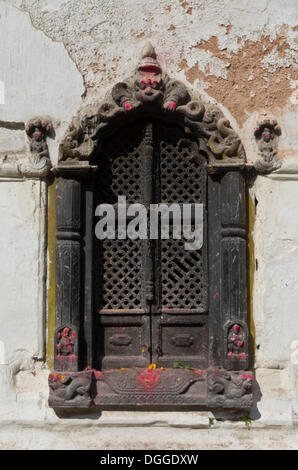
(266, 134)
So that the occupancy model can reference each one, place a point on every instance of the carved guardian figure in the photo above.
(266, 134)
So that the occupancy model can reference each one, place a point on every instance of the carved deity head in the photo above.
(37, 129)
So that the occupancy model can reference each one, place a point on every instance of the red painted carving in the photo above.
(236, 338)
(66, 338)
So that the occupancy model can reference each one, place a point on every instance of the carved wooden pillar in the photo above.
(68, 259)
(70, 382)
(233, 270)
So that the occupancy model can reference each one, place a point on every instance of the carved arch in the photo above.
(150, 92)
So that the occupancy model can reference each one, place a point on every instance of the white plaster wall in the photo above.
(22, 269)
(39, 77)
(51, 52)
(276, 280)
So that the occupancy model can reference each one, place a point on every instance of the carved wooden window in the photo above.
(146, 323)
(151, 296)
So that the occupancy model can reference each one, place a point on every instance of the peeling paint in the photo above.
(240, 53)
(251, 81)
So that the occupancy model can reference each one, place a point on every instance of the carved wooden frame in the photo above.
(225, 383)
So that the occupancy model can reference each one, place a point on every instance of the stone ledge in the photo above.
(155, 438)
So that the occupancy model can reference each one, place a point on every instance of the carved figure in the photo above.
(231, 385)
(266, 134)
(66, 387)
(236, 338)
(39, 162)
(65, 342)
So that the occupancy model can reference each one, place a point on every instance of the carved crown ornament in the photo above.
(150, 92)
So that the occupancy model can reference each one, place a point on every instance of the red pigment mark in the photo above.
(236, 328)
(127, 105)
(73, 357)
(230, 354)
(242, 355)
(246, 376)
(197, 371)
(215, 295)
(172, 105)
(149, 378)
(98, 374)
(54, 377)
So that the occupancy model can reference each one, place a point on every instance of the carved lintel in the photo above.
(266, 134)
(70, 389)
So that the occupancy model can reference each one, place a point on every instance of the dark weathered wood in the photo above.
(233, 272)
(214, 278)
(208, 337)
(148, 191)
(68, 281)
(87, 327)
(121, 304)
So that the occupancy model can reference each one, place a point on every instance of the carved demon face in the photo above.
(149, 88)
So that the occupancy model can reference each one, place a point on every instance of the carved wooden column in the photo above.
(70, 386)
(233, 270)
(68, 258)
